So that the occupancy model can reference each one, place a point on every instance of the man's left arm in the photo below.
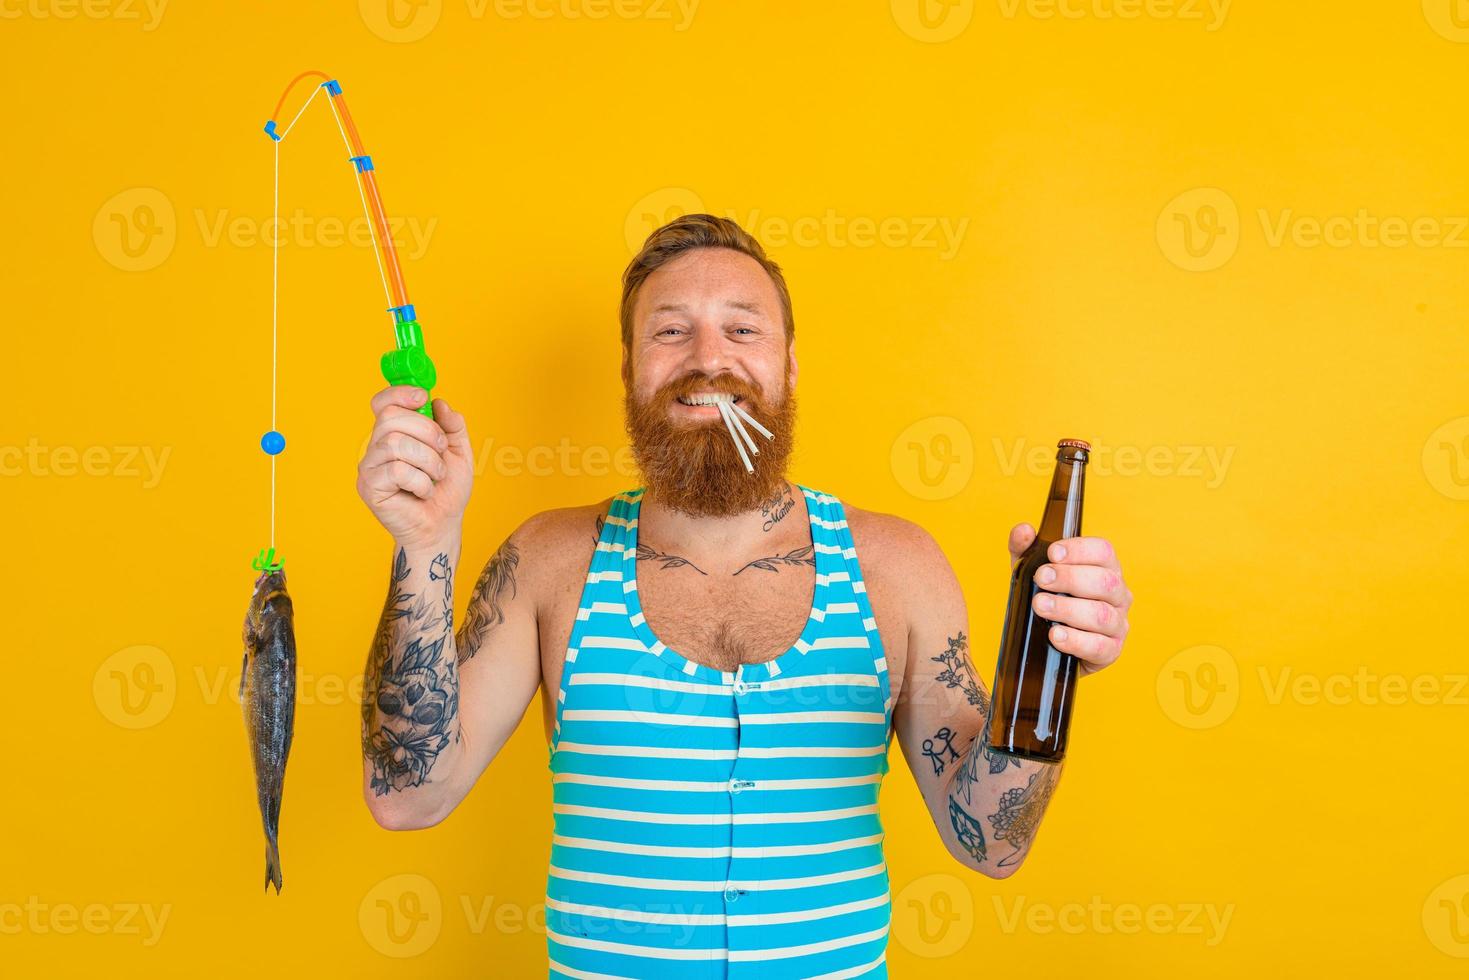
(986, 806)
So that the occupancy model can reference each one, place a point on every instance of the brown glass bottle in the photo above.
(1034, 682)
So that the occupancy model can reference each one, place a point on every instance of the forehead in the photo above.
(708, 279)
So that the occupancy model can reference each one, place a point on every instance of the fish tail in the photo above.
(272, 866)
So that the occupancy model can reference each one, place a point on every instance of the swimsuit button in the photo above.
(731, 895)
(739, 687)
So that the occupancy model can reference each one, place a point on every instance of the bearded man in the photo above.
(724, 656)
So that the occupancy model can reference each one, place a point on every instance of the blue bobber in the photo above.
(273, 443)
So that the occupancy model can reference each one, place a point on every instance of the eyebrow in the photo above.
(735, 304)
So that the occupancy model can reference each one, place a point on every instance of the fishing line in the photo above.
(408, 363)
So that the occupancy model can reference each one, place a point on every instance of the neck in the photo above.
(722, 536)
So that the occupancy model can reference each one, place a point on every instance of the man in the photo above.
(721, 675)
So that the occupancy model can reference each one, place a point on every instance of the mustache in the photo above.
(727, 384)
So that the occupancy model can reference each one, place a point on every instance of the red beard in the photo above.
(692, 465)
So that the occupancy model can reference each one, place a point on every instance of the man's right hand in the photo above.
(416, 474)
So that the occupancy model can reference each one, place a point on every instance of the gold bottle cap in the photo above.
(1078, 443)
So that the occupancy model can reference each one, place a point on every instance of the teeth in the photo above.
(712, 398)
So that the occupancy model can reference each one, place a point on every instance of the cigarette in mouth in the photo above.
(730, 424)
(746, 416)
(740, 428)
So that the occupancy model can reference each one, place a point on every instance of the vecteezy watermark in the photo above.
(135, 230)
(1450, 18)
(403, 915)
(1446, 458)
(135, 687)
(120, 462)
(148, 13)
(1209, 13)
(933, 916)
(1446, 916)
(1201, 687)
(1363, 686)
(562, 458)
(932, 21)
(941, 234)
(933, 459)
(1201, 229)
(1206, 920)
(410, 235)
(35, 917)
(405, 21)
(1207, 463)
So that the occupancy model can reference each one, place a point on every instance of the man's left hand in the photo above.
(1090, 620)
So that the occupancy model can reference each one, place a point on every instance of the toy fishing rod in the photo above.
(408, 363)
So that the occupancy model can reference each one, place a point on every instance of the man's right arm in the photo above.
(438, 705)
(436, 708)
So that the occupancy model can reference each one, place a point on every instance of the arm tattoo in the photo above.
(410, 704)
(958, 673)
(668, 561)
(1021, 810)
(778, 506)
(801, 556)
(940, 749)
(968, 830)
(486, 607)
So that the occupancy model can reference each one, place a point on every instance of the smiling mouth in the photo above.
(710, 398)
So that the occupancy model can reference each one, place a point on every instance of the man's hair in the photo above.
(685, 234)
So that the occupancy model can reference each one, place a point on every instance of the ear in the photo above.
(626, 367)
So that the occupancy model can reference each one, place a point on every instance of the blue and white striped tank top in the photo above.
(719, 824)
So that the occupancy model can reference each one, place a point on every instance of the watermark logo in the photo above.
(1194, 462)
(933, 459)
(933, 916)
(401, 916)
(943, 234)
(1208, 921)
(135, 687)
(1446, 917)
(1199, 230)
(1450, 18)
(1210, 13)
(1199, 687)
(35, 917)
(653, 211)
(400, 21)
(1446, 459)
(148, 13)
(136, 229)
(933, 21)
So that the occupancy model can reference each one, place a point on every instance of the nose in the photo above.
(709, 352)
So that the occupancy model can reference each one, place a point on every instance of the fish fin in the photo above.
(272, 866)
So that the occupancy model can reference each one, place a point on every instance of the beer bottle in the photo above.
(1030, 710)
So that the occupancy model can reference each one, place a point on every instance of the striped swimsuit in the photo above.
(719, 824)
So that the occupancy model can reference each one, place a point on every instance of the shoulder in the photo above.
(549, 551)
(894, 542)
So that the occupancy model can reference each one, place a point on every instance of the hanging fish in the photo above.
(268, 693)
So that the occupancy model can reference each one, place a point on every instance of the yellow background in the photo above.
(1136, 186)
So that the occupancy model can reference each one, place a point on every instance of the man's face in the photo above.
(708, 321)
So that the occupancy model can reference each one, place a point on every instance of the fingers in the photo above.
(452, 423)
(1083, 614)
(1021, 535)
(1085, 581)
(1084, 551)
(1094, 650)
(403, 396)
(381, 482)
